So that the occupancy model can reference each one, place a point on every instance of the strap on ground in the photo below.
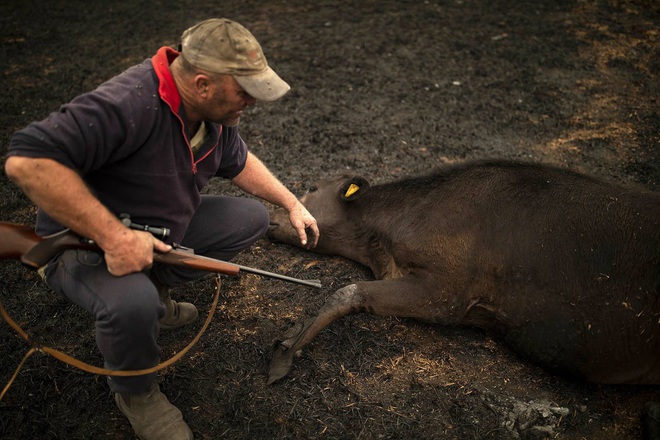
(70, 360)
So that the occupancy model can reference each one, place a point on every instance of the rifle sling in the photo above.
(67, 359)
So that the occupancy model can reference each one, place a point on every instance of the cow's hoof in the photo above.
(291, 335)
(280, 365)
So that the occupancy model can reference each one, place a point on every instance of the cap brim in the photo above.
(263, 86)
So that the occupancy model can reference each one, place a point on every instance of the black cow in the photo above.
(564, 267)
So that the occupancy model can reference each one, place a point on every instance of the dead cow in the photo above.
(564, 267)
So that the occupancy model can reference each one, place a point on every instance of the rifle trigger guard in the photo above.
(178, 247)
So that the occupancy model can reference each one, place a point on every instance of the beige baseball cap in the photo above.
(223, 46)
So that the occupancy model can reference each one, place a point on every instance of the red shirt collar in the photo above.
(167, 87)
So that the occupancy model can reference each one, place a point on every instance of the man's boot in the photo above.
(178, 313)
(152, 416)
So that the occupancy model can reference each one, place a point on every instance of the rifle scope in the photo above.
(159, 232)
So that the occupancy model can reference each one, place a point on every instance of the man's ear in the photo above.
(202, 82)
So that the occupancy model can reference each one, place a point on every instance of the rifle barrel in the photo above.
(312, 283)
(212, 261)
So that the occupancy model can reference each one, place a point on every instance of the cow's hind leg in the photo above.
(404, 297)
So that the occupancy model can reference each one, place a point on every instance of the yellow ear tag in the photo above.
(351, 190)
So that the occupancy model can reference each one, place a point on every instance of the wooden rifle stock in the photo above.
(20, 242)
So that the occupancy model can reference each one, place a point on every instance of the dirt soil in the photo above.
(384, 89)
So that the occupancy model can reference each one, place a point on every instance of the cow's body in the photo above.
(564, 267)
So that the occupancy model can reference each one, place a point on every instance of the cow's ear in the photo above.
(353, 188)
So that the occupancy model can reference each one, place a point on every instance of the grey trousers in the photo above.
(127, 308)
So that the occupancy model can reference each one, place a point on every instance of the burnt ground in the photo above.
(383, 89)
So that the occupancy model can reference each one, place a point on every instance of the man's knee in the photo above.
(135, 304)
(83, 278)
(260, 219)
(242, 223)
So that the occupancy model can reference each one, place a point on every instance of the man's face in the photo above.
(227, 100)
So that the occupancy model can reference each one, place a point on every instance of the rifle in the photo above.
(20, 242)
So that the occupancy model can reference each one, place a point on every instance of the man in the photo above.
(145, 143)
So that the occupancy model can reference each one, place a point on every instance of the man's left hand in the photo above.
(305, 225)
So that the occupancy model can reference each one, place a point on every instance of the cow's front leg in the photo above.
(405, 297)
(344, 301)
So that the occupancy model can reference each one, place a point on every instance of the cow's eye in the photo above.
(313, 188)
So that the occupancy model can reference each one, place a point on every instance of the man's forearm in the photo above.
(257, 180)
(62, 193)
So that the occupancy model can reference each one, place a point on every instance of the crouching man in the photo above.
(146, 143)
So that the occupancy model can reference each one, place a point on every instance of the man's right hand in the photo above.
(61, 192)
(132, 251)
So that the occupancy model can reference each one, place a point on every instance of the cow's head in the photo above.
(329, 201)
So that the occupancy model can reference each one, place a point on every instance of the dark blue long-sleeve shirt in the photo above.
(127, 139)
